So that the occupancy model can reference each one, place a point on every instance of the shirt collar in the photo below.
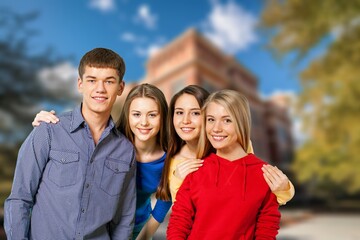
(78, 121)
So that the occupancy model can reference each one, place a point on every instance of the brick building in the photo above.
(193, 59)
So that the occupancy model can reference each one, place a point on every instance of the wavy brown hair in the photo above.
(175, 142)
(145, 91)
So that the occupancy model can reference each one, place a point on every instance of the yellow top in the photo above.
(174, 183)
(284, 196)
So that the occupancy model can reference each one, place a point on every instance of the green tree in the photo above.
(22, 93)
(329, 106)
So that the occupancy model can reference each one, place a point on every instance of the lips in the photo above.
(100, 99)
(187, 129)
(218, 138)
(144, 130)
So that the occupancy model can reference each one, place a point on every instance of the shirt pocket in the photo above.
(64, 168)
(113, 176)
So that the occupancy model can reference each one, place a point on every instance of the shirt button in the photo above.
(92, 160)
(82, 210)
(87, 185)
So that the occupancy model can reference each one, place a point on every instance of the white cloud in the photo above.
(142, 45)
(103, 5)
(149, 50)
(146, 17)
(128, 37)
(60, 80)
(132, 38)
(146, 50)
(230, 27)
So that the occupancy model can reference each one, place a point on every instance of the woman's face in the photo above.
(144, 118)
(187, 118)
(221, 129)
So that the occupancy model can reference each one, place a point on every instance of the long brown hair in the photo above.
(148, 91)
(175, 142)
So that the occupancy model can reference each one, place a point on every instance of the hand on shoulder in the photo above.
(45, 116)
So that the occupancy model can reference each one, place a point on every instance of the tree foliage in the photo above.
(22, 94)
(328, 102)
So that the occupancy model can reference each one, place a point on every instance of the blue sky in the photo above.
(136, 29)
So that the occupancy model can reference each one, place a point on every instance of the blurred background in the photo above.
(297, 62)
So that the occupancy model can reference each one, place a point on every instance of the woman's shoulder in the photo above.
(255, 160)
(174, 161)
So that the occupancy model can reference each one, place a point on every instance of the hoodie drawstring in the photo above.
(244, 179)
(218, 171)
(244, 172)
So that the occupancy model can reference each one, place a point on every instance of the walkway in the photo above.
(300, 225)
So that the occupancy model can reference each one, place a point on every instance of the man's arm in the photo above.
(32, 158)
(122, 226)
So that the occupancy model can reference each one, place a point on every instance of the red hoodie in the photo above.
(225, 200)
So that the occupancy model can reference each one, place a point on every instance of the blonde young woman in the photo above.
(143, 122)
(227, 198)
(185, 123)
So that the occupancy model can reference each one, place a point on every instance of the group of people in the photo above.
(83, 176)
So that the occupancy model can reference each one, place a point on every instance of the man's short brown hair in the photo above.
(102, 58)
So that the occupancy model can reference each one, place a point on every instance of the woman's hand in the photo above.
(187, 166)
(275, 178)
(149, 229)
(45, 116)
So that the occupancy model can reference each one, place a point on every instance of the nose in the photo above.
(100, 88)
(144, 121)
(217, 126)
(186, 118)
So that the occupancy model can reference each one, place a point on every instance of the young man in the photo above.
(76, 179)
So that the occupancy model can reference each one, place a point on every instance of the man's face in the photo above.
(99, 87)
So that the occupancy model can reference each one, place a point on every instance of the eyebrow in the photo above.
(225, 116)
(190, 108)
(93, 77)
(151, 111)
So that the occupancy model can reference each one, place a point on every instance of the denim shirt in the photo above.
(66, 187)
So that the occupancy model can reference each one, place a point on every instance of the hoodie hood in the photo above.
(225, 200)
(239, 166)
